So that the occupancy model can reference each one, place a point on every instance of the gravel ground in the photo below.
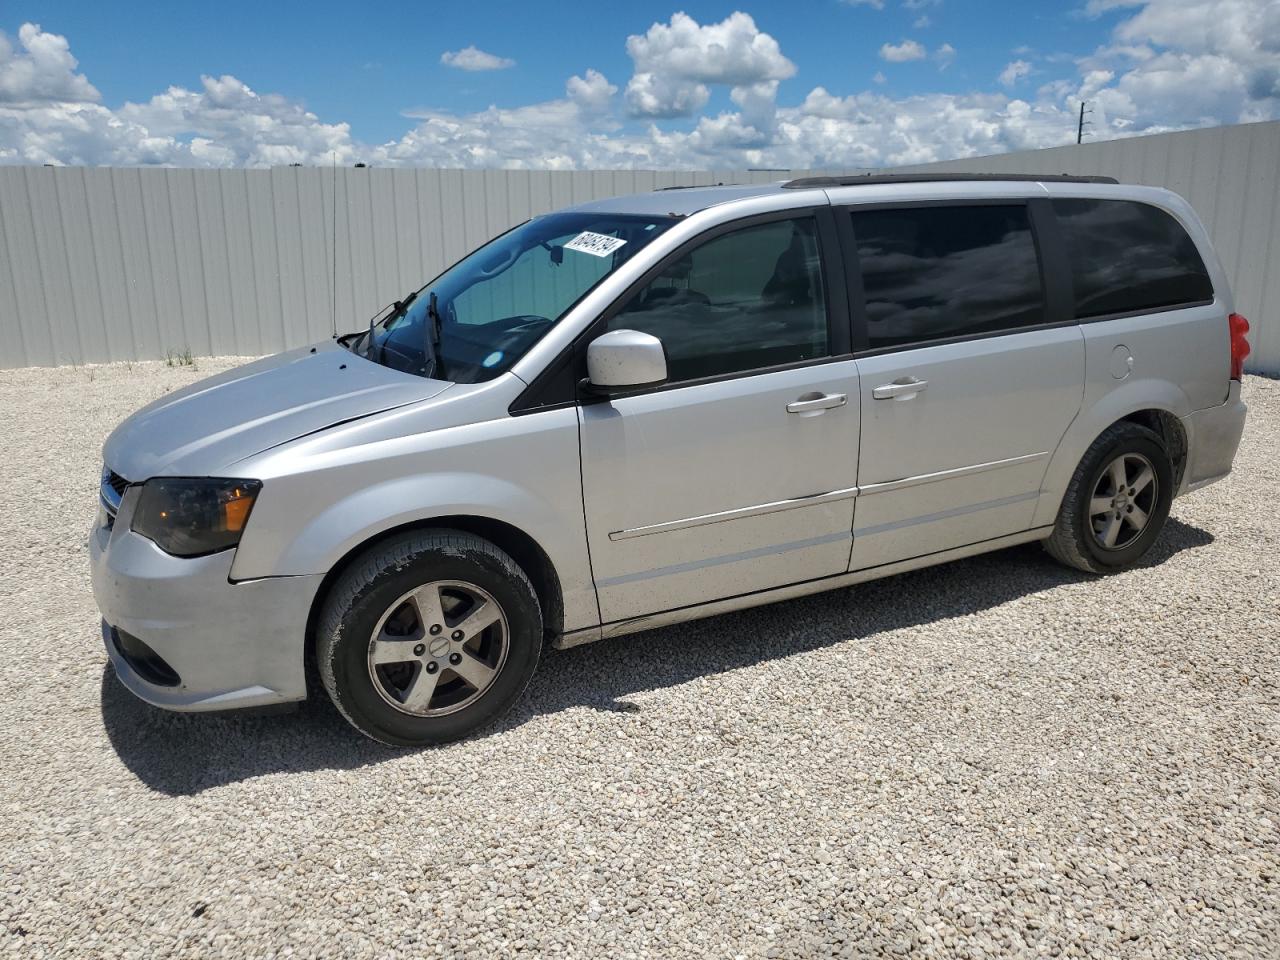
(996, 757)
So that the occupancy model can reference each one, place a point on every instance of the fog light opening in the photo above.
(146, 663)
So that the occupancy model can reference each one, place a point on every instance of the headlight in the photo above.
(190, 517)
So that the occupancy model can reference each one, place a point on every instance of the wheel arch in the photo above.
(523, 549)
(1170, 429)
(1156, 411)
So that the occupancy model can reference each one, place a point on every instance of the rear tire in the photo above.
(1117, 501)
(427, 637)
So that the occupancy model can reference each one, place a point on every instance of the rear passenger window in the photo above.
(746, 300)
(1128, 256)
(947, 271)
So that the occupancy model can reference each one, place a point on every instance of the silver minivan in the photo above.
(654, 408)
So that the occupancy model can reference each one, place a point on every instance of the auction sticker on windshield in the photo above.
(596, 244)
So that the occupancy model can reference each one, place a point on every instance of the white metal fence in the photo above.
(102, 264)
(120, 264)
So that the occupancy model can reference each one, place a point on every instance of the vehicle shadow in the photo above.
(181, 754)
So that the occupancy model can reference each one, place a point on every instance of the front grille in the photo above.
(111, 491)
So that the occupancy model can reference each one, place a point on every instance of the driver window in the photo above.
(746, 300)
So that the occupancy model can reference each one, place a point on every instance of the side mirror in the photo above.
(625, 360)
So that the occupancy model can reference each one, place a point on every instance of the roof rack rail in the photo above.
(856, 180)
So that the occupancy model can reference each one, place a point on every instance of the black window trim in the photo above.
(557, 385)
(1050, 260)
(1148, 311)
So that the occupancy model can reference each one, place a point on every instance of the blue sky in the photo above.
(830, 79)
(367, 69)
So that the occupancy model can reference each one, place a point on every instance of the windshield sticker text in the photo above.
(596, 244)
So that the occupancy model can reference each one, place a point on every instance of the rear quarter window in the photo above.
(1127, 257)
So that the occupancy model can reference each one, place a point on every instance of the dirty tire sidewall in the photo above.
(1073, 541)
(377, 579)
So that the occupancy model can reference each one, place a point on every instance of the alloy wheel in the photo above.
(438, 648)
(1123, 500)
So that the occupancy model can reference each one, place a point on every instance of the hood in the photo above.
(202, 429)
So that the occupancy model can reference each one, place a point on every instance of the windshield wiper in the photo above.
(431, 343)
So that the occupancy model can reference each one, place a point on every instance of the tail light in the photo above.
(1238, 326)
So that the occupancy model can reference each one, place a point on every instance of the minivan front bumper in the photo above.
(229, 644)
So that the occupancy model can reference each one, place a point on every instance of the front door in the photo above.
(969, 379)
(739, 474)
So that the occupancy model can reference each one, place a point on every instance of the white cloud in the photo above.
(551, 135)
(909, 50)
(874, 4)
(50, 114)
(1247, 29)
(1014, 71)
(472, 59)
(569, 133)
(902, 52)
(655, 95)
(1096, 8)
(870, 129)
(1179, 64)
(1164, 65)
(676, 62)
(45, 70)
(83, 134)
(249, 128)
(879, 77)
(921, 22)
(592, 93)
(824, 130)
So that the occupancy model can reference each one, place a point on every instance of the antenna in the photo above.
(1080, 127)
(333, 299)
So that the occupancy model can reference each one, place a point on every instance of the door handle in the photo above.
(813, 403)
(904, 388)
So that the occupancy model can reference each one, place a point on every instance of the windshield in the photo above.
(492, 306)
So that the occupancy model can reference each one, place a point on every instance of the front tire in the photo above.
(427, 637)
(1117, 501)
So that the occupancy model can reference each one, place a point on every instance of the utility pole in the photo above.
(1080, 126)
